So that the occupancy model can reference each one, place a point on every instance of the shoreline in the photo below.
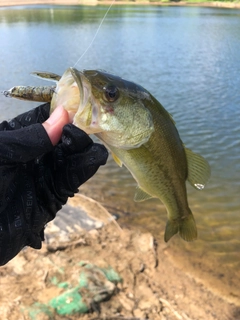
(214, 4)
(153, 285)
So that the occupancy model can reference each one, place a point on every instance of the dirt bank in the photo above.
(152, 286)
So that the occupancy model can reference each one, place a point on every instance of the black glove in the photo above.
(37, 115)
(37, 178)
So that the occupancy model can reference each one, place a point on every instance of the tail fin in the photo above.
(186, 227)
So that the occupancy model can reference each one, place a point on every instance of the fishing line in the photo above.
(96, 33)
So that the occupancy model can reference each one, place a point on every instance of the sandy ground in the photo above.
(152, 286)
(118, 2)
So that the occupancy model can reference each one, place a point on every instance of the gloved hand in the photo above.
(37, 115)
(37, 178)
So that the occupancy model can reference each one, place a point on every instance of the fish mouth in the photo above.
(77, 76)
(66, 94)
(86, 117)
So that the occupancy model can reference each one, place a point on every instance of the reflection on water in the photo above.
(189, 59)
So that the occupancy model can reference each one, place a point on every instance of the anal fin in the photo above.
(141, 195)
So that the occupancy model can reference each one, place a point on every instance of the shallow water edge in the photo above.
(220, 4)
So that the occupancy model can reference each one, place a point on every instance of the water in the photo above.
(189, 59)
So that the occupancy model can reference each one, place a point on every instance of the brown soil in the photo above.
(153, 287)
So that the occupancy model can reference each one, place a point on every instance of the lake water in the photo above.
(189, 58)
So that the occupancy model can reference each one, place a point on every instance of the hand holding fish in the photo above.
(36, 177)
(140, 133)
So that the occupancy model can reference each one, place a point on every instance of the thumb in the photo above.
(55, 123)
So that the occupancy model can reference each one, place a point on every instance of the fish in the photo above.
(139, 132)
(141, 135)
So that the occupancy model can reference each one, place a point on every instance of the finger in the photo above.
(25, 144)
(74, 140)
(96, 155)
(55, 123)
(82, 167)
(37, 115)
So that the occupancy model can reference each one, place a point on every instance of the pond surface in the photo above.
(189, 58)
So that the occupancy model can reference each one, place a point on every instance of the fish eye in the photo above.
(111, 93)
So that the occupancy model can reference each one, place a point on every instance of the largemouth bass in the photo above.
(140, 134)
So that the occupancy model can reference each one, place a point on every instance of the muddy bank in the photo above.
(152, 286)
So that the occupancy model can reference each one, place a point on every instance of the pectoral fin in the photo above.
(116, 159)
(198, 169)
(141, 195)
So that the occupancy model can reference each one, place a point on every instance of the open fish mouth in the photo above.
(77, 76)
(66, 94)
(87, 115)
(73, 92)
